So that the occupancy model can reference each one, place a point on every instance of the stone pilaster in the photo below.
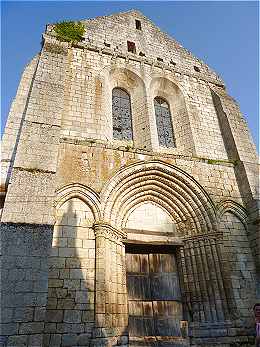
(110, 284)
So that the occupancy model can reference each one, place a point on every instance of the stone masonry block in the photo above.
(72, 316)
(31, 328)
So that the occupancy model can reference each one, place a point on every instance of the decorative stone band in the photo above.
(213, 235)
(101, 50)
(107, 231)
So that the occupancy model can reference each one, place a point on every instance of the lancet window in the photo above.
(164, 122)
(122, 115)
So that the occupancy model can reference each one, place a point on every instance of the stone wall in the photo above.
(73, 193)
(70, 305)
(24, 279)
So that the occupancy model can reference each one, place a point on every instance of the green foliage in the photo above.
(219, 161)
(69, 31)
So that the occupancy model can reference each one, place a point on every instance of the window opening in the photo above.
(131, 47)
(160, 59)
(196, 68)
(138, 24)
(122, 115)
(164, 123)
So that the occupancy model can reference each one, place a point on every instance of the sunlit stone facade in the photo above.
(129, 195)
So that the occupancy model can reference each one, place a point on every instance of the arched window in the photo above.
(122, 116)
(164, 123)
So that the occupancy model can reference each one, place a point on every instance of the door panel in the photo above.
(138, 287)
(153, 295)
(165, 286)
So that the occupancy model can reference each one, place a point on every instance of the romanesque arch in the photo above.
(82, 192)
(193, 214)
(71, 282)
(166, 185)
(133, 84)
(237, 260)
(168, 90)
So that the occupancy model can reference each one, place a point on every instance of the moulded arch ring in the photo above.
(84, 193)
(232, 206)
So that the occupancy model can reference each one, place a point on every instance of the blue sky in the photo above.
(223, 34)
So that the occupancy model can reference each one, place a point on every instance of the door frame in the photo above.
(166, 248)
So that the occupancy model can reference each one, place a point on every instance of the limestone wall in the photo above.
(73, 193)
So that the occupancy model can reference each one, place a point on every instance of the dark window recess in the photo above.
(196, 68)
(107, 44)
(138, 24)
(160, 59)
(122, 115)
(131, 47)
(142, 54)
(172, 62)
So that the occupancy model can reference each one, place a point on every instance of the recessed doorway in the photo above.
(154, 296)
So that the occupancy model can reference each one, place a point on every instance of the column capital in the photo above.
(106, 230)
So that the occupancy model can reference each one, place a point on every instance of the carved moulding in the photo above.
(107, 231)
(84, 193)
(232, 206)
(168, 186)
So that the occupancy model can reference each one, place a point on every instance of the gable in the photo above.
(118, 29)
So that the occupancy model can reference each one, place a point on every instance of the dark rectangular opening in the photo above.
(138, 24)
(131, 47)
(160, 59)
(142, 248)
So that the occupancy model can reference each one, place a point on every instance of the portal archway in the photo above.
(180, 195)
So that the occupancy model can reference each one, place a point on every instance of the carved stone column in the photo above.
(203, 285)
(110, 287)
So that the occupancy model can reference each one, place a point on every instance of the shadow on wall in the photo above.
(238, 268)
(70, 307)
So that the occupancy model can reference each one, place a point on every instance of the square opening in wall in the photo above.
(131, 47)
(138, 24)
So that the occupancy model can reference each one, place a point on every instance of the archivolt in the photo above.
(76, 190)
(233, 207)
(168, 186)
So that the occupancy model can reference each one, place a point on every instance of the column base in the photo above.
(222, 334)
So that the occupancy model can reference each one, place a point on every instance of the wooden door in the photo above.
(154, 298)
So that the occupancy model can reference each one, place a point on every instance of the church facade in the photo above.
(129, 197)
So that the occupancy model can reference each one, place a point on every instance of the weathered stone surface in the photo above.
(77, 198)
(69, 340)
(18, 340)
